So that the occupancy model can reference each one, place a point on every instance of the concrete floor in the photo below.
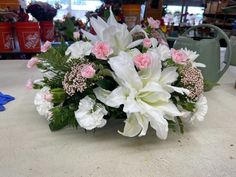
(29, 149)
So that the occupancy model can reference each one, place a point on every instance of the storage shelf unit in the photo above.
(216, 15)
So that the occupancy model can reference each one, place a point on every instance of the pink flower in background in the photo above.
(48, 97)
(29, 84)
(76, 35)
(102, 50)
(47, 45)
(147, 43)
(179, 56)
(88, 71)
(153, 23)
(142, 61)
(32, 62)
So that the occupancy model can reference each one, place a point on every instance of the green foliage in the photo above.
(54, 60)
(107, 83)
(69, 28)
(62, 117)
(183, 100)
(180, 124)
(59, 95)
(208, 85)
(169, 62)
(172, 125)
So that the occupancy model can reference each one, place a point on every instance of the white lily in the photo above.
(143, 95)
(115, 34)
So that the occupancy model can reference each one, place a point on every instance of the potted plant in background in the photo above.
(44, 13)
(28, 33)
(6, 30)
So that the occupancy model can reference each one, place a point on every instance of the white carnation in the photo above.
(201, 109)
(79, 49)
(90, 115)
(43, 106)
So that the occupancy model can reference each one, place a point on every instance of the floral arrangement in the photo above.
(42, 11)
(111, 75)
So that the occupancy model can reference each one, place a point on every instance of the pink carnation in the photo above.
(147, 43)
(46, 46)
(88, 71)
(102, 50)
(153, 23)
(29, 84)
(48, 97)
(76, 35)
(32, 62)
(142, 61)
(179, 56)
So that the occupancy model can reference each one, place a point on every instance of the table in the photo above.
(29, 149)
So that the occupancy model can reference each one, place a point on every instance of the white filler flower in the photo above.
(90, 115)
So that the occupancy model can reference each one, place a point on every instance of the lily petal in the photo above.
(169, 75)
(132, 127)
(135, 43)
(158, 123)
(127, 73)
(180, 90)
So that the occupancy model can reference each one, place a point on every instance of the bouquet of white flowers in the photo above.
(115, 74)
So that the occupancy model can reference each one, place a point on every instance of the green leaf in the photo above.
(107, 83)
(62, 117)
(59, 95)
(172, 125)
(69, 28)
(181, 125)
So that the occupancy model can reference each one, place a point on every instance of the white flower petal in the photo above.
(138, 29)
(191, 54)
(135, 43)
(98, 26)
(198, 65)
(153, 92)
(163, 51)
(43, 106)
(170, 109)
(112, 99)
(169, 75)
(154, 42)
(143, 122)
(153, 73)
(158, 123)
(125, 71)
(79, 49)
(180, 90)
(89, 114)
(132, 127)
(89, 36)
(201, 107)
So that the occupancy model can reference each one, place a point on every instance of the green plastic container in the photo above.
(208, 50)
